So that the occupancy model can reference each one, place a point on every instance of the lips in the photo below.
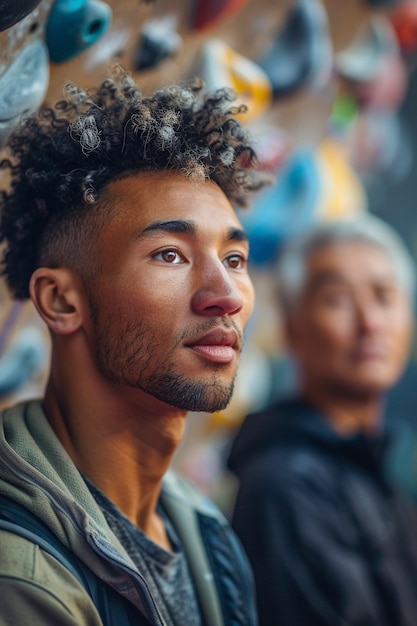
(370, 353)
(218, 345)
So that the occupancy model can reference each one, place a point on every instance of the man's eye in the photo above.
(336, 299)
(386, 296)
(169, 256)
(236, 261)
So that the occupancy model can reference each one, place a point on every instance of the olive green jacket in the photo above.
(35, 589)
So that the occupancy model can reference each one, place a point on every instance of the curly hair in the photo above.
(61, 159)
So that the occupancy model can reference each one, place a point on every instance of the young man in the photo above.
(119, 224)
(329, 539)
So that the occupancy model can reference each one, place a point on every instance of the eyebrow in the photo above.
(187, 226)
(325, 278)
(331, 278)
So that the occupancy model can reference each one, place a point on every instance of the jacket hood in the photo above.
(37, 473)
(295, 421)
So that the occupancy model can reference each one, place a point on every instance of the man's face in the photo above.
(173, 295)
(352, 328)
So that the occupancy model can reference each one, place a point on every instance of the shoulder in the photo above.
(286, 472)
(284, 458)
(33, 583)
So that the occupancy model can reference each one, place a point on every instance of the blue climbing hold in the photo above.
(75, 25)
(283, 210)
(23, 86)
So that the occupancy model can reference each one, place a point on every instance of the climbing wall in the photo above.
(323, 81)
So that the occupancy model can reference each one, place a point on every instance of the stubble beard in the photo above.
(127, 357)
(190, 395)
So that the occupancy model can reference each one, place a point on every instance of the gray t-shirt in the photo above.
(166, 572)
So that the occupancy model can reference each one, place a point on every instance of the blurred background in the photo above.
(331, 91)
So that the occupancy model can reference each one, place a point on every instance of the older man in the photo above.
(330, 540)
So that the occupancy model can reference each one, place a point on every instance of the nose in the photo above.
(217, 293)
(369, 317)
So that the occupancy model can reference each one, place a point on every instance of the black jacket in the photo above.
(330, 542)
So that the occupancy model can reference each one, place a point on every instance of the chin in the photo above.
(371, 387)
(375, 379)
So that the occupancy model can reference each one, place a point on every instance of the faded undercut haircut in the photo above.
(61, 159)
(293, 262)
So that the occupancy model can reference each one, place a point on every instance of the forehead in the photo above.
(140, 199)
(355, 262)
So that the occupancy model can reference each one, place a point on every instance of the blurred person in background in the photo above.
(329, 538)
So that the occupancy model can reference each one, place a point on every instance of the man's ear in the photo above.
(57, 294)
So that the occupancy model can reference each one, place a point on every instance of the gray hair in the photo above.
(292, 266)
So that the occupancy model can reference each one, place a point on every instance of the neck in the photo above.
(122, 439)
(348, 413)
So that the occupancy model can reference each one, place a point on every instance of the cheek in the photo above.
(398, 322)
(319, 345)
(331, 328)
(148, 298)
(401, 329)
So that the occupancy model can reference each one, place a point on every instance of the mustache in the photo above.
(191, 333)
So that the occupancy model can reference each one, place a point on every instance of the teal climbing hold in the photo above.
(75, 25)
